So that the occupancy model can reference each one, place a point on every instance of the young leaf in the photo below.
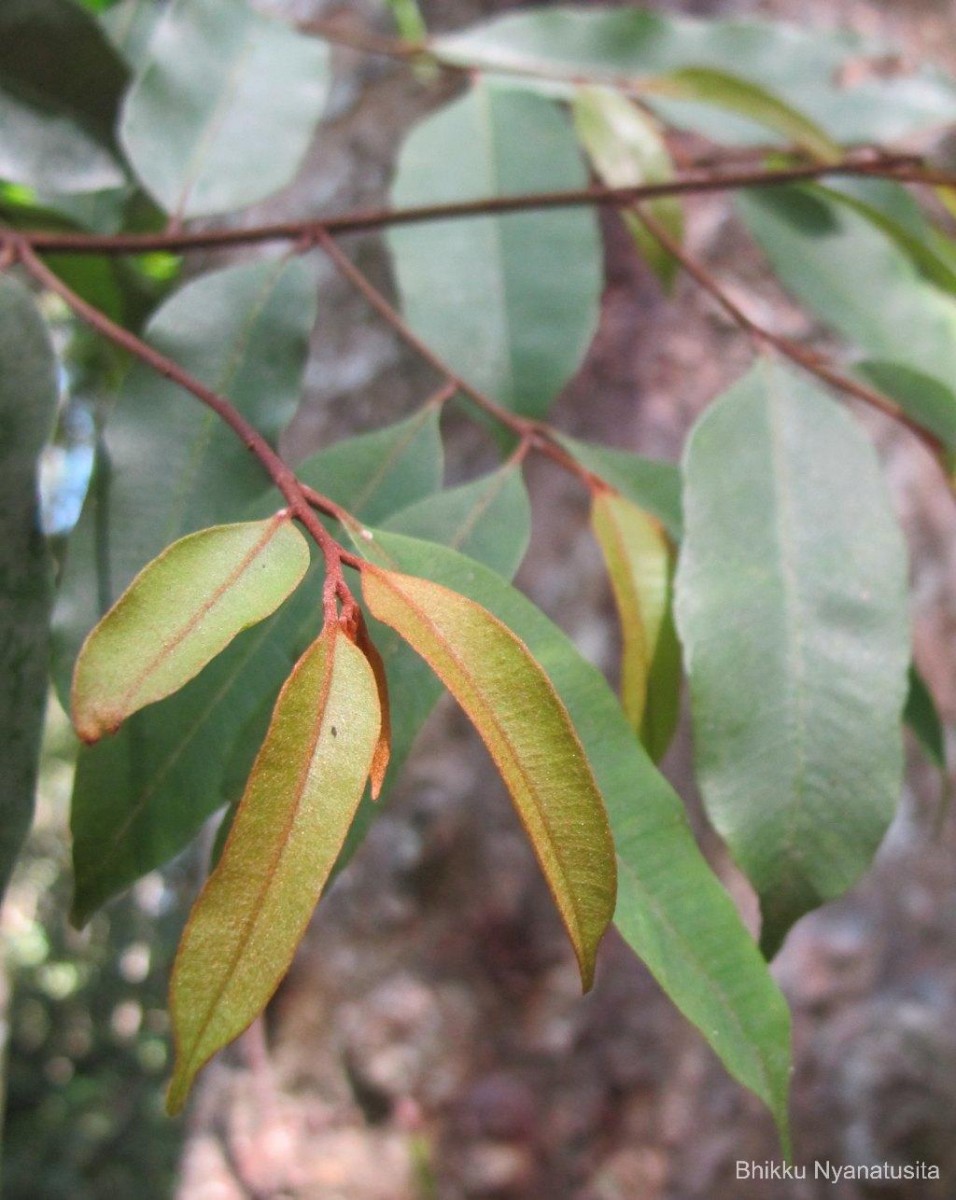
(179, 612)
(639, 561)
(528, 733)
(27, 407)
(302, 794)
(224, 107)
(141, 795)
(510, 302)
(625, 148)
(792, 608)
(671, 909)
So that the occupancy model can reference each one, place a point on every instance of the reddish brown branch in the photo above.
(532, 434)
(281, 474)
(808, 359)
(903, 169)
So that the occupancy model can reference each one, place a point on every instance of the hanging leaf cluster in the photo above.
(235, 637)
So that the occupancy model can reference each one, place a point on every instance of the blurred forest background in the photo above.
(431, 1041)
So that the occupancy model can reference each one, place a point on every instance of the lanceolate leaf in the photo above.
(526, 729)
(511, 302)
(141, 795)
(302, 794)
(791, 604)
(60, 88)
(639, 560)
(626, 148)
(670, 907)
(179, 612)
(224, 107)
(649, 482)
(27, 407)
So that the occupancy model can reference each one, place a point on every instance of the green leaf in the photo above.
(724, 90)
(167, 465)
(224, 108)
(625, 149)
(792, 608)
(376, 474)
(564, 47)
(929, 401)
(670, 908)
(510, 302)
(182, 610)
(302, 794)
(923, 719)
(27, 407)
(639, 560)
(130, 25)
(60, 88)
(140, 796)
(649, 482)
(835, 261)
(894, 211)
(488, 519)
(528, 733)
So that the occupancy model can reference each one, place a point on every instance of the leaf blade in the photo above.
(222, 112)
(626, 149)
(528, 734)
(306, 784)
(192, 600)
(639, 561)
(484, 296)
(791, 605)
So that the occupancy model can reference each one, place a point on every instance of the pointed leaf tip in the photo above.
(528, 732)
(300, 800)
(179, 612)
